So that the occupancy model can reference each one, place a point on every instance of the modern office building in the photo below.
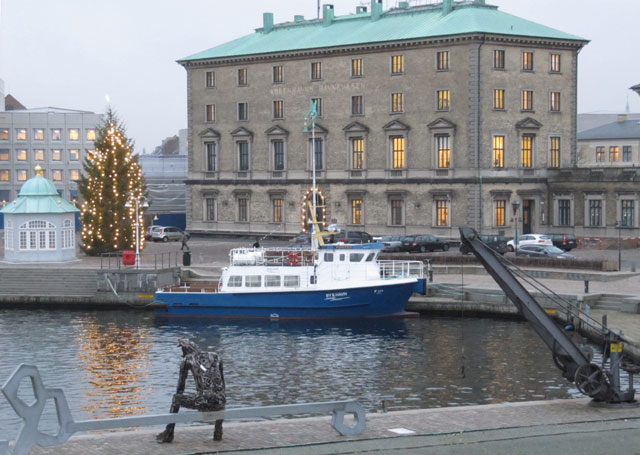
(429, 117)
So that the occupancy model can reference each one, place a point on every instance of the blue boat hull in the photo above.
(375, 301)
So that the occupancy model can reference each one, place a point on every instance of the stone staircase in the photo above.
(615, 302)
(51, 281)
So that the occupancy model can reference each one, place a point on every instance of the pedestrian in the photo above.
(185, 238)
(256, 244)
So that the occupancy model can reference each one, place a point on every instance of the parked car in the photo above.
(565, 241)
(496, 242)
(166, 233)
(392, 242)
(349, 237)
(529, 239)
(423, 243)
(148, 235)
(543, 251)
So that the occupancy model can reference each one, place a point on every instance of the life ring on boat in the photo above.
(293, 259)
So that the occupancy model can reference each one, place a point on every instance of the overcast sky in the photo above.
(71, 53)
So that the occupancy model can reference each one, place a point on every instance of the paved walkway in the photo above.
(469, 430)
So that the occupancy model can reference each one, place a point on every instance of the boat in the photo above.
(331, 281)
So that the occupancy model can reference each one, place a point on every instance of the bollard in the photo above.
(586, 286)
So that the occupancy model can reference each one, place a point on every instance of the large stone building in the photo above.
(429, 117)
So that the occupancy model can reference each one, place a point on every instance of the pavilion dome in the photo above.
(38, 186)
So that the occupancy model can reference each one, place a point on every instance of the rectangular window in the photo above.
(277, 210)
(291, 281)
(4, 154)
(397, 102)
(397, 64)
(397, 152)
(555, 63)
(554, 102)
(627, 212)
(357, 105)
(38, 155)
(56, 134)
(599, 154)
(318, 102)
(243, 210)
(564, 212)
(357, 153)
(21, 134)
(21, 154)
(614, 154)
(278, 109)
(500, 213)
(356, 67)
(527, 61)
(243, 155)
(356, 211)
(243, 111)
(278, 155)
(74, 134)
(554, 151)
(210, 112)
(74, 174)
(278, 74)
(317, 153)
(4, 134)
(443, 150)
(626, 153)
(442, 212)
(443, 100)
(397, 209)
(74, 154)
(595, 212)
(316, 71)
(4, 175)
(210, 209)
(526, 150)
(56, 155)
(38, 134)
(242, 77)
(212, 155)
(498, 59)
(272, 281)
(22, 175)
(56, 175)
(90, 134)
(210, 79)
(498, 98)
(235, 281)
(498, 151)
(527, 100)
(442, 60)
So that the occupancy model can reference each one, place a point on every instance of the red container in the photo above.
(128, 257)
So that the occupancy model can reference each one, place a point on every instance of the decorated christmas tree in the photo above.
(111, 185)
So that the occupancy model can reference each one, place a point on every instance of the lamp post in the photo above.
(515, 205)
(619, 225)
(145, 204)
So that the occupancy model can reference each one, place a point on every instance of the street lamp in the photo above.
(515, 205)
(619, 225)
(145, 204)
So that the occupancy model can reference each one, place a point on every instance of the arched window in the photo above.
(67, 234)
(37, 235)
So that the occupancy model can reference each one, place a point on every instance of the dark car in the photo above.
(565, 241)
(423, 243)
(543, 251)
(496, 242)
(349, 237)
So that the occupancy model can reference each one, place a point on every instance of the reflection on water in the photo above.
(120, 363)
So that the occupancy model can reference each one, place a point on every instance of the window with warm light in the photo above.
(4, 134)
(599, 154)
(498, 98)
(242, 77)
(527, 61)
(397, 64)
(356, 67)
(527, 100)
(397, 152)
(56, 134)
(74, 154)
(210, 79)
(22, 175)
(554, 151)
(21, 154)
(442, 60)
(276, 212)
(4, 154)
(498, 59)
(38, 134)
(210, 110)
(38, 155)
(526, 150)
(357, 153)
(74, 174)
(278, 74)
(555, 63)
(56, 155)
(554, 102)
(397, 102)
(614, 153)
(443, 100)
(90, 134)
(443, 150)
(21, 134)
(442, 212)
(56, 175)
(74, 134)
(500, 212)
(356, 211)
(498, 151)
(278, 109)
(4, 175)
(316, 71)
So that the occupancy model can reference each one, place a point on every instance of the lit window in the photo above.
(56, 155)
(555, 102)
(498, 59)
(527, 61)
(210, 79)
(397, 102)
(318, 102)
(38, 134)
(442, 60)
(243, 111)
(56, 134)
(498, 151)
(38, 155)
(22, 175)
(21, 134)
(21, 155)
(527, 100)
(526, 150)
(276, 205)
(210, 209)
(56, 175)
(498, 98)
(4, 134)
(4, 175)
(356, 67)
(210, 148)
(397, 64)
(278, 154)
(614, 153)
(90, 134)
(500, 212)
(74, 154)
(210, 112)
(278, 109)
(397, 152)
(555, 63)
(554, 151)
(356, 211)
(74, 174)
(242, 77)
(443, 100)
(4, 154)
(442, 212)
(397, 212)
(357, 153)
(357, 105)
(599, 154)
(316, 71)
(443, 150)
(278, 74)
(74, 134)
(243, 155)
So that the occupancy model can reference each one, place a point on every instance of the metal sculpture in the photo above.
(207, 371)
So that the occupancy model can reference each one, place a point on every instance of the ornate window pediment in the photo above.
(396, 125)
(242, 132)
(528, 123)
(209, 133)
(319, 129)
(355, 127)
(442, 124)
(277, 130)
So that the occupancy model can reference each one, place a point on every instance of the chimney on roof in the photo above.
(327, 14)
(376, 9)
(361, 9)
(298, 18)
(447, 6)
(267, 22)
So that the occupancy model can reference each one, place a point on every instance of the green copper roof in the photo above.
(393, 25)
(39, 195)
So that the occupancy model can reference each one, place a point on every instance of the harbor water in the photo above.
(121, 363)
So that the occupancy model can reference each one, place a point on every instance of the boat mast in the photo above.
(311, 116)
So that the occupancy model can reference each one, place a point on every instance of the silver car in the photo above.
(166, 233)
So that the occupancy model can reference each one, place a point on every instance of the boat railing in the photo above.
(401, 269)
(272, 256)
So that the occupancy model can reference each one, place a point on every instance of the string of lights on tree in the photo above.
(113, 178)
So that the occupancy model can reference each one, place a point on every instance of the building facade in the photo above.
(429, 117)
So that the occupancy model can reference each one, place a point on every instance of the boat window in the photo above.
(342, 257)
(313, 279)
(253, 281)
(272, 281)
(371, 257)
(291, 281)
(328, 257)
(356, 257)
(235, 281)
